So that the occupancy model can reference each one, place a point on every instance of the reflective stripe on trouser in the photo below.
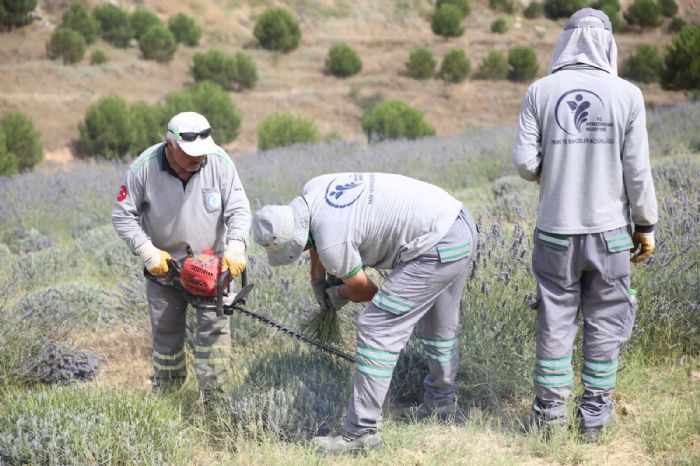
(423, 291)
(589, 271)
(168, 312)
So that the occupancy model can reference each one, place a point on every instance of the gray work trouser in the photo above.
(424, 291)
(168, 323)
(590, 272)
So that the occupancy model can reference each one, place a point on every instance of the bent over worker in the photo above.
(582, 136)
(426, 237)
(185, 191)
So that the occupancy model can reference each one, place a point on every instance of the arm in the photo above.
(359, 288)
(236, 208)
(126, 211)
(525, 153)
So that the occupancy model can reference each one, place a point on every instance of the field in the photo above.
(66, 278)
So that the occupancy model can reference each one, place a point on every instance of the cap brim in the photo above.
(198, 147)
(300, 236)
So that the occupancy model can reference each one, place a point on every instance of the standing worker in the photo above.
(351, 220)
(582, 136)
(185, 191)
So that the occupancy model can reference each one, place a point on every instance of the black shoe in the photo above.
(166, 386)
(444, 414)
(593, 434)
(547, 428)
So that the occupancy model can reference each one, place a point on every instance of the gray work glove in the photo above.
(334, 297)
(320, 288)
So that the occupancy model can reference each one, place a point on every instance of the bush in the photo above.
(230, 72)
(522, 64)
(600, 4)
(493, 67)
(212, 101)
(185, 30)
(9, 165)
(643, 13)
(283, 129)
(106, 129)
(395, 119)
(682, 60)
(22, 139)
(533, 10)
(677, 24)
(505, 6)
(147, 126)
(499, 26)
(645, 65)
(98, 57)
(78, 18)
(421, 64)
(66, 44)
(158, 44)
(16, 13)
(668, 8)
(277, 29)
(613, 15)
(455, 66)
(463, 5)
(114, 23)
(447, 21)
(343, 61)
(142, 20)
(562, 8)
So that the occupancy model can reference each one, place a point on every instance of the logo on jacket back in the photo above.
(343, 191)
(580, 110)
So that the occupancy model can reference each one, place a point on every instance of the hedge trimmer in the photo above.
(206, 287)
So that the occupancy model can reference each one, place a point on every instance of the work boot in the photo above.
(546, 428)
(212, 396)
(593, 434)
(344, 443)
(450, 414)
(165, 386)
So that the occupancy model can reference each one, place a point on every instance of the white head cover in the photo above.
(587, 38)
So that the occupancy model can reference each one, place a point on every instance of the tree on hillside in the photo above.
(78, 18)
(115, 26)
(16, 13)
(643, 13)
(682, 60)
(185, 29)
(277, 29)
(67, 44)
(142, 20)
(394, 119)
(22, 139)
(562, 8)
(447, 21)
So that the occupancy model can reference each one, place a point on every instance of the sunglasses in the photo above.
(189, 137)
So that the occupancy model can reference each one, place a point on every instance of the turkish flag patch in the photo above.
(122, 193)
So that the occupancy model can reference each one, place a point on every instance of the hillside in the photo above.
(383, 33)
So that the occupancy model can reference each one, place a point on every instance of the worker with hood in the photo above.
(582, 137)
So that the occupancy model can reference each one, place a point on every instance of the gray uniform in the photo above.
(426, 237)
(211, 210)
(583, 132)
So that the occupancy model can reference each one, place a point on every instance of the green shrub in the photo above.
(66, 44)
(146, 126)
(98, 57)
(645, 65)
(522, 64)
(185, 29)
(600, 4)
(643, 13)
(16, 13)
(277, 29)
(614, 16)
(455, 66)
(505, 6)
(493, 67)
(682, 60)
(142, 20)
(78, 18)
(158, 44)
(395, 119)
(212, 101)
(668, 8)
(9, 165)
(115, 26)
(463, 5)
(343, 61)
(22, 139)
(533, 10)
(499, 26)
(229, 71)
(562, 8)
(106, 129)
(677, 24)
(284, 129)
(421, 64)
(447, 21)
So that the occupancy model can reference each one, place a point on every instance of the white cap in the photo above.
(283, 230)
(191, 122)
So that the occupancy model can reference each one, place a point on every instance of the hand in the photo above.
(337, 301)
(646, 244)
(234, 258)
(155, 260)
(320, 287)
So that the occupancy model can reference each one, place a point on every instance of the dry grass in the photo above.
(57, 96)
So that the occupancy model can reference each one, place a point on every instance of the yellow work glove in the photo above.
(645, 242)
(234, 258)
(155, 260)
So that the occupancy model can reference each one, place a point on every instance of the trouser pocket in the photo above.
(618, 243)
(551, 255)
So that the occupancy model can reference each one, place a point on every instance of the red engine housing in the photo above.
(199, 274)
